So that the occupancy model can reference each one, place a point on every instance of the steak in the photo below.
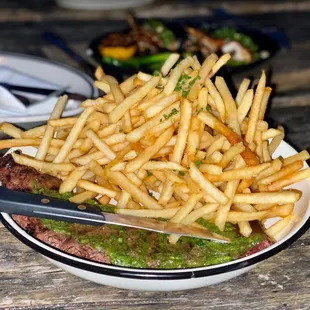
(23, 178)
(67, 244)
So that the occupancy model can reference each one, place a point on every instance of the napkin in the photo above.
(12, 106)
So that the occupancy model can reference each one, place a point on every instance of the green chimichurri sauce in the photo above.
(138, 248)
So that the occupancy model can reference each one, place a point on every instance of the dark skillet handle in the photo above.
(22, 203)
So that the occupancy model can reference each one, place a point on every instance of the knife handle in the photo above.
(22, 203)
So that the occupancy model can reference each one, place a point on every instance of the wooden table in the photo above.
(29, 281)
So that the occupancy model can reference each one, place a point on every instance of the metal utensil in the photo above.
(86, 62)
(20, 91)
(15, 202)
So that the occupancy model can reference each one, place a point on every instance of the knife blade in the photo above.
(22, 203)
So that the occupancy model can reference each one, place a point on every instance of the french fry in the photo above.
(11, 130)
(42, 165)
(230, 105)
(255, 109)
(242, 91)
(238, 174)
(186, 112)
(284, 197)
(206, 185)
(258, 142)
(9, 143)
(291, 179)
(81, 197)
(243, 207)
(161, 105)
(101, 145)
(265, 151)
(245, 228)
(164, 213)
(211, 169)
(216, 145)
(132, 99)
(263, 107)
(262, 207)
(230, 190)
(275, 142)
(231, 136)
(150, 151)
(133, 190)
(126, 87)
(236, 216)
(104, 200)
(169, 63)
(99, 73)
(204, 71)
(245, 184)
(220, 107)
(176, 73)
(303, 155)
(281, 174)
(140, 132)
(275, 166)
(85, 159)
(160, 165)
(35, 132)
(70, 183)
(162, 126)
(76, 130)
(230, 154)
(182, 213)
(280, 211)
(276, 228)
(245, 105)
(270, 133)
(219, 64)
(90, 186)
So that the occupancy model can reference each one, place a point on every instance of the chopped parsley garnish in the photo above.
(151, 194)
(198, 163)
(173, 112)
(208, 108)
(148, 173)
(182, 84)
(200, 110)
(182, 173)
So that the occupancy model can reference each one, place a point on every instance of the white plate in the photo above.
(101, 4)
(51, 72)
(176, 279)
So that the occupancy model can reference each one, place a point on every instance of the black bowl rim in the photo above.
(158, 274)
(214, 22)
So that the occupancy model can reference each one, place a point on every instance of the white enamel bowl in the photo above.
(53, 73)
(177, 279)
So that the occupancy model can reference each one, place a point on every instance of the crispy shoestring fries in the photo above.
(175, 145)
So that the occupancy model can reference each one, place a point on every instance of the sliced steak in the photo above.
(23, 178)
(59, 241)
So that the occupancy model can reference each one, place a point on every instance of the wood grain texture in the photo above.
(29, 281)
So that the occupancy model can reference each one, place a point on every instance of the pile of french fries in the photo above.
(175, 145)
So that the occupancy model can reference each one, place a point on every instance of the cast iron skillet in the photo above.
(263, 40)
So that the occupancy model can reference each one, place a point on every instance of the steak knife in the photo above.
(22, 203)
